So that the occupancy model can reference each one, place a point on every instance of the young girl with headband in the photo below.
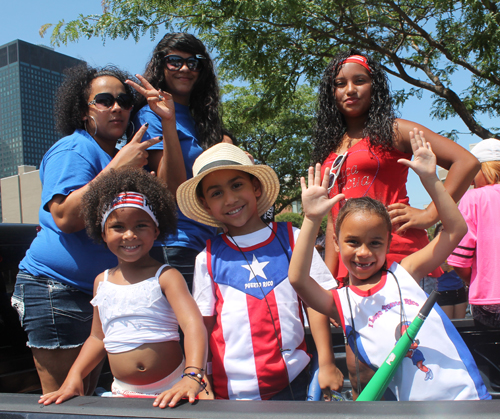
(139, 304)
(380, 300)
(360, 139)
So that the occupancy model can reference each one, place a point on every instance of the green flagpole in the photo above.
(379, 382)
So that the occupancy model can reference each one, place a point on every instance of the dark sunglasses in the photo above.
(105, 101)
(175, 62)
(337, 165)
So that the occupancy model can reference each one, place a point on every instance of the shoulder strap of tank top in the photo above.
(159, 271)
(105, 275)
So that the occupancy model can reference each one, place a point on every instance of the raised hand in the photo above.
(403, 216)
(159, 101)
(315, 201)
(134, 153)
(424, 161)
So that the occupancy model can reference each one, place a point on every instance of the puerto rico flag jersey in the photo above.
(256, 309)
(438, 365)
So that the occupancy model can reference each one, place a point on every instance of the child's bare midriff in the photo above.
(147, 363)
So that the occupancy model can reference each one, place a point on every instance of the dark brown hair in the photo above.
(72, 96)
(330, 123)
(103, 190)
(205, 98)
(363, 204)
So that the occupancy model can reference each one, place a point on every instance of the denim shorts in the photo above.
(452, 297)
(54, 315)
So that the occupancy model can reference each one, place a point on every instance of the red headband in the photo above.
(129, 200)
(357, 59)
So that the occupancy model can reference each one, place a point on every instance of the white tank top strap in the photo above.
(98, 297)
(160, 270)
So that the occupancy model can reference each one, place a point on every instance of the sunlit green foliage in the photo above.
(278, 137)
(282, 43)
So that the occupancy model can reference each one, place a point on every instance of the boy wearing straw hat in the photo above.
(252, 313)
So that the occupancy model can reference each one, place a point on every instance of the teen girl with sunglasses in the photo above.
(182, 74)
(359, 137)
(54, 285)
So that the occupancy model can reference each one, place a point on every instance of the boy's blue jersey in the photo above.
(258, 270)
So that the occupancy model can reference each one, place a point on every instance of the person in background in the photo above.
(320, 243)
(477, 257)
(452, 293)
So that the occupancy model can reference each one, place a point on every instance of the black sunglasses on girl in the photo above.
(175, 62)
(105, 101)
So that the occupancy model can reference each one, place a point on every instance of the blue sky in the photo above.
(22, 19)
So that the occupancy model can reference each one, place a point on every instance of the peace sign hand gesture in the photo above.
(160, 102)
(134, 153)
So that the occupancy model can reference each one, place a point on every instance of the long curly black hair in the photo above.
(103, 190)
(330, 123)
(205, 97)
(72, 96)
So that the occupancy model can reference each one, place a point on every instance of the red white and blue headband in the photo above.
(357, 59)
(129, 200)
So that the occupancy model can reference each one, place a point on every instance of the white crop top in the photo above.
(132, 315)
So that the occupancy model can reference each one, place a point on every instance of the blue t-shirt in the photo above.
(72, 259)
(449, 281)
(190, 233)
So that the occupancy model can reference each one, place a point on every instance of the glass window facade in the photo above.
(29, 77)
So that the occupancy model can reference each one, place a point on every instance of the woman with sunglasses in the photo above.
(359, 137)
(181, 70)
(55, 281)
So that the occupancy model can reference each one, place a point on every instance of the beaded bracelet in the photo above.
(192, 374)
(199, 375)
(196, 377)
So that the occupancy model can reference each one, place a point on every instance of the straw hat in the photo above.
(219, 157)
(487, 150)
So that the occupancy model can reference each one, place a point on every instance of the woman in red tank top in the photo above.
(359, 137)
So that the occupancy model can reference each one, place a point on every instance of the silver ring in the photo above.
(160, 97)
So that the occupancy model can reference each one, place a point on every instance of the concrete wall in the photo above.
(11, 199)
(21, 196)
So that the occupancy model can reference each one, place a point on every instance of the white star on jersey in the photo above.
(256, 267)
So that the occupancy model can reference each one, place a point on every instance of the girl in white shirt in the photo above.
(139, 304)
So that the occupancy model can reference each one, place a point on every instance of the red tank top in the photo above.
(371, 171)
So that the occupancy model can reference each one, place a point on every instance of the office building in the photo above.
(29, 77)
